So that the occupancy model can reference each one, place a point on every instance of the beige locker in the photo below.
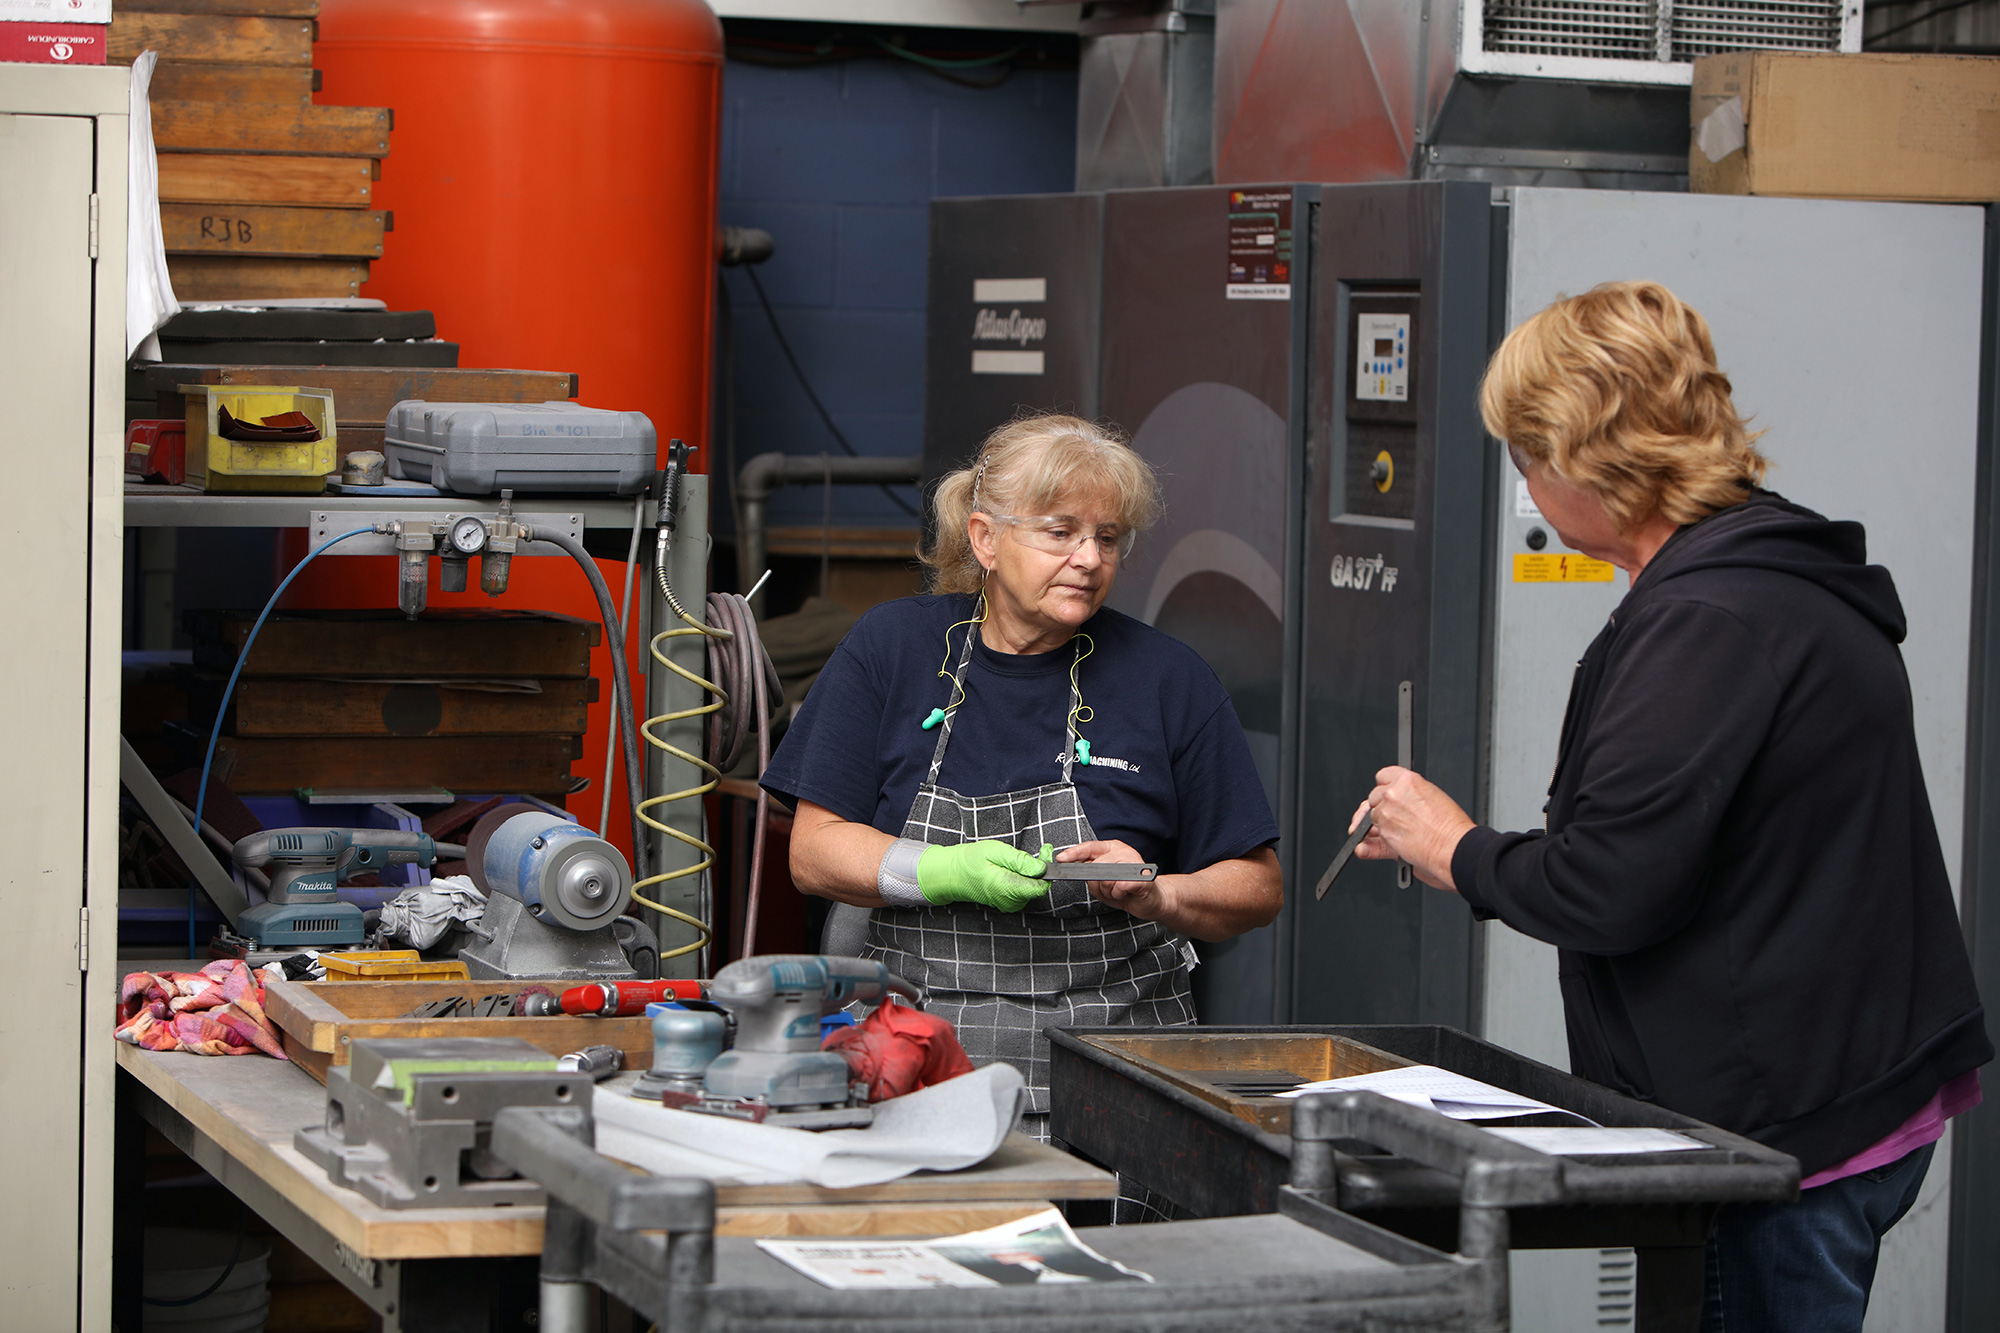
(62, 336)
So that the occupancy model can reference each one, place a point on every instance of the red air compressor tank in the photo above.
(553, 179)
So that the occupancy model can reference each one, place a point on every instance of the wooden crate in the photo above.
(270, 127)
(224, 229)
(518, 765)
(364, 394)
(250, 278)
(320, 1020)
(1243, 1072)
(297, 9)
(445, 642)
(185, 81)
(365, 708)
(240, 178)
(210, 38)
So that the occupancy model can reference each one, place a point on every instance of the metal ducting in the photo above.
(1516, 92)
(1145, 94)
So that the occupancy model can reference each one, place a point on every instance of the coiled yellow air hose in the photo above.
(704, 852)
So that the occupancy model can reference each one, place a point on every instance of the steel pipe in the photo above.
(766, 472)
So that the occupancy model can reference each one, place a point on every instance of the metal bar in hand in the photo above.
(1346, 855)
(1101, 870)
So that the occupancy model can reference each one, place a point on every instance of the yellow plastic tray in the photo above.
(390, 964)
(216, 464)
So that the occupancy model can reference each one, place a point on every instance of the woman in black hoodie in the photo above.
(1740, 867)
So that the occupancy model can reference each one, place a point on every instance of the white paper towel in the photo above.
(149, 292)
(945, 1127)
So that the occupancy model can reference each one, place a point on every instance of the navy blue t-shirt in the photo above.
(1179, 785)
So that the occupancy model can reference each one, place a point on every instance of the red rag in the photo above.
(898, 1049)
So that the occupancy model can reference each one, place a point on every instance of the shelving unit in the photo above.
(185, 507)
(663, 691)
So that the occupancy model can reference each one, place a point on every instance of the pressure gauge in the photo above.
(468, 536)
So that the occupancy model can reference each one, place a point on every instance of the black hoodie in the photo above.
(1741, 869)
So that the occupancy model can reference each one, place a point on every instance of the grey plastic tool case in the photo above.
(484, 448)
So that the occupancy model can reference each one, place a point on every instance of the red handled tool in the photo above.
(628, 999)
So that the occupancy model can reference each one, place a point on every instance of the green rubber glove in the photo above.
(989, 873)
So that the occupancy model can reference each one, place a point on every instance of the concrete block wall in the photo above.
(839, 162)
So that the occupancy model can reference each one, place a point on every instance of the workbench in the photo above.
(469, 1270)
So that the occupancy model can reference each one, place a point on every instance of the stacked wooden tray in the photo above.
(320, 1020)
(466, 700)
(363, 395)
(262, 194)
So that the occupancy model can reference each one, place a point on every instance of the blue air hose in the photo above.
(208, 759)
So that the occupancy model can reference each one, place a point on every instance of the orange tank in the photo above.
(552, 174)
(553, 179)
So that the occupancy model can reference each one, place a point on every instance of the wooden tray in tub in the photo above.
(319, 1020)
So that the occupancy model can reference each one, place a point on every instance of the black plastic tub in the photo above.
(1189, 1114)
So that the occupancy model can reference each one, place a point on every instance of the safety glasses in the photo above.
(1058, 535)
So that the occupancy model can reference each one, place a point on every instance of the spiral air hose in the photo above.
(737, 655)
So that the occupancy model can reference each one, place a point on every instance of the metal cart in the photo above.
(649, 1240)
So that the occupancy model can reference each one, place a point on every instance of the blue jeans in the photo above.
(1808, 1265)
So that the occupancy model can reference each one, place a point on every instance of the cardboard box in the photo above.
(55, 11)
(53, 43)
(1915, 127)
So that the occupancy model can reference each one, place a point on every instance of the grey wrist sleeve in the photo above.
(896, 880)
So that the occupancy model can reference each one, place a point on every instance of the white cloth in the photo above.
(945, 1127)
(422, 915)
(149, 292)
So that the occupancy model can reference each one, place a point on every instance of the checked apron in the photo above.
(1066, 960)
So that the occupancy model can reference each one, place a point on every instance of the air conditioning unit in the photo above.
(1637, 41)
(1516, 92)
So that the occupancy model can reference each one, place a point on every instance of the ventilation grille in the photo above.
(1770, 25)
(1652, 29)
(1604, 29)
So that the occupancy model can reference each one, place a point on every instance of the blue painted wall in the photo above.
(839, 162)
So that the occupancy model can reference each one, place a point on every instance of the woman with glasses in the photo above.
(958, 741)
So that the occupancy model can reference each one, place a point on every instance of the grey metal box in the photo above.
(484, 448)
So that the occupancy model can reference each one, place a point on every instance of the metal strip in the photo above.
(1547, 159)
(1973, 1283)
(1406, 753)
(330, 523)
(180, 834)
(184, 507)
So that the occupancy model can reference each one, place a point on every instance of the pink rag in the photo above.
(216, 1011)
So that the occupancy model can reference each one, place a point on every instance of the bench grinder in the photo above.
(556, 894)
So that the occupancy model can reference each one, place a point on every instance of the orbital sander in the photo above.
(306, 864)
(773, 1071)
(556, 895)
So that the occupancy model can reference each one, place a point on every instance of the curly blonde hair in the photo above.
(1618, 392)
(1026, 467)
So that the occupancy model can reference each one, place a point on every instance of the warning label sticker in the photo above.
(1260, 245)
(1562, 567)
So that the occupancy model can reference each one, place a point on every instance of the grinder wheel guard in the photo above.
(482, 833)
